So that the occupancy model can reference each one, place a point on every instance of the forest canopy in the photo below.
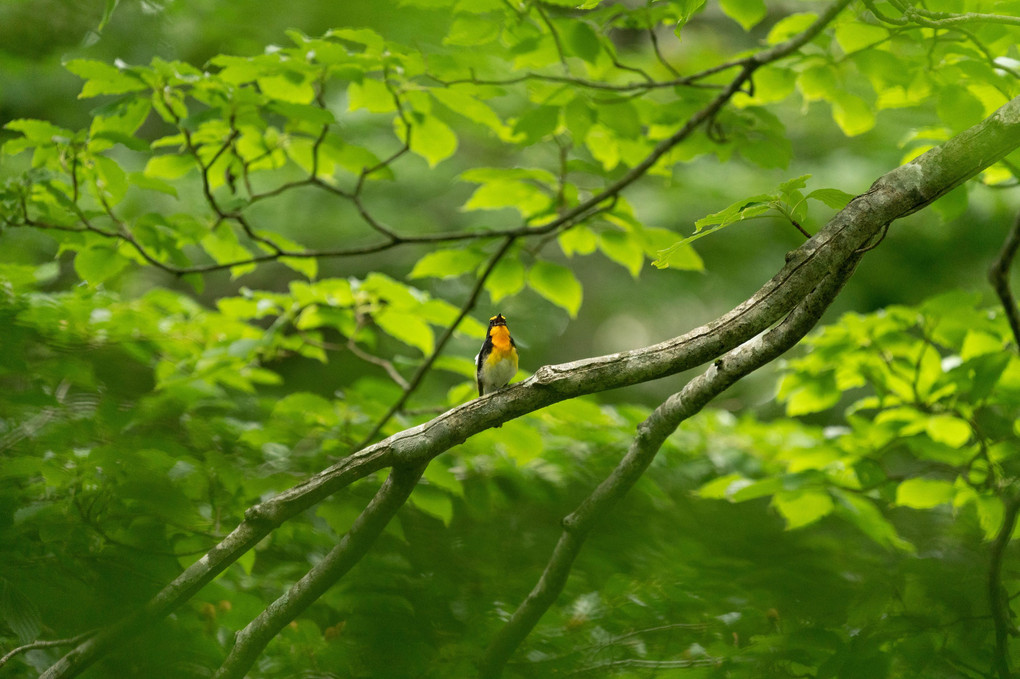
(755, 257)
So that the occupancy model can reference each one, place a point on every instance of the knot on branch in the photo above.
(545, 375)
(262, 513)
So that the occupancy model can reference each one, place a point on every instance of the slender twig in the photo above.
(555, 35)
(998, 275)
(658, 53)
(651, 434)
(944, 19)
(800, 228)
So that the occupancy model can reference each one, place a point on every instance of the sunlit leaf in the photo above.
(557, 284)
(747, 13)
(924, 493)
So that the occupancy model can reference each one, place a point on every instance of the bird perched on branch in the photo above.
(496, 363)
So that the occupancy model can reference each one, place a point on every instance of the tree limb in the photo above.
(898, 193)
(651, 434)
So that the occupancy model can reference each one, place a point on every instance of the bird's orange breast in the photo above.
(500, 336)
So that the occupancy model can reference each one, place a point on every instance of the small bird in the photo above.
(496, 363)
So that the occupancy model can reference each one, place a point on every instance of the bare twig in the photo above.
(658, 53)
(998, 275)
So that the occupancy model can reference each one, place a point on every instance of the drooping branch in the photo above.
(896, 194)
(250, 641)
(651, 434)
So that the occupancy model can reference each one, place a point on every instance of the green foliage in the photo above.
(241, 269)
(787, 201)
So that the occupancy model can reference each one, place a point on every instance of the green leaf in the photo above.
(111, 179)
(169, 166)
(853, 115)
(110, 6)
(305, 112)
(447, 263)
(804, 396)
(603, 146)
(818, 82)
(223, 246)
(537, 123)
(291, 87)
(789, 26)
(834, 198)
(434, 502)
(584, 42)
(373, 42)
(687, 10)
(623, 249)
(745, 208)
(681, 256)
(19, 612)
(39, 131)
(103, 78)
(721, 488)
(371, 95)
(525, 197)
(507, 279)
(857, 35)
(470, 30)
(98, 263)
(441, 477)
(924, 493)
(143, 181)
(431, 138)
(471, 107)
(958, 108)
(747, 13)
(557, 284)
(801, 508)
(408, 328)
(578, 239)
(948, 429)
(861, 512)
(521, 442)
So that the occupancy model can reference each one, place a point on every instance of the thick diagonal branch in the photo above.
(904, 190)
(651, 434)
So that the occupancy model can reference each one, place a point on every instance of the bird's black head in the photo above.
(497, 320)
